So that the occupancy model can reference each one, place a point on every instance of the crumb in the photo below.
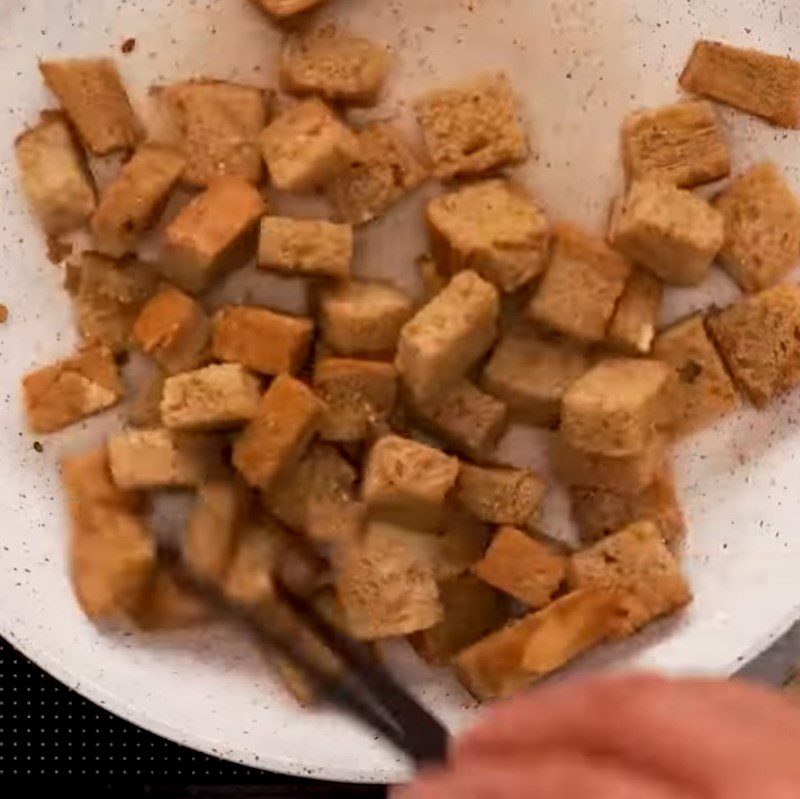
(37, 445)
(3, 314)
(128, 46)
(58, 250)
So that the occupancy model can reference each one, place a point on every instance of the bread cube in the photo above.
(68, 391)
(636, 565)
(762, 228)
(310, 247)
(288, 417)
(54, 175)
(262, 340)
(307, 146)
(219, 124)
(757, 338)
(91, 93)
(111, 551)
(282, 9)
(672, 232)
(581, 287)
(385, 170)
(758, 83)
(462, 542)
(360, 397)
(500, 495)
(363, 317)
(493, 227)
(134, 200)
(702, 391)
(173, 329)
(681, 144)
(471, 128)
(215, 233)
(166, 605)
(633, 326)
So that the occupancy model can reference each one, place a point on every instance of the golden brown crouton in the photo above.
(636, 565)
(702, 392)
(761, 84)
(762, 228)
(261, 340)
(67, 391)
(759, 342)
(214, 233)
(282, 9)
(471, 128)
(500, 495)
(167, 605)
(92, 95)
(681, 144)
(134, 200)
(581, 287)
(672, 232)
(288, 417)
(460, 545)
(54, 175)
(305, 247)
(635, 321)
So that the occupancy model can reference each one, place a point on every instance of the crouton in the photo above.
(363, 318)
(633, 326)
(219, 124)
(305, 247)
(672, 232)
(360, 397)
(173, 329)
(92, 95)
(531, 372)
(215, 233)
(144, 409)
(762, 228)
(680, 144)
(216, 397)
(581, 287)
(636, 565)
(385, 170)
(264, 341)
(460, 545)
(493, 227)
(701, 391)
(758, 83)
(166, 605)
(135, 199)
(111, 552)
(500, 495)
(288, 417)
(471, 128)
(54, 175)
(282, 9)
(758, 340)
(68, 391)
(307, 146)
(448, 336)
(339, 67)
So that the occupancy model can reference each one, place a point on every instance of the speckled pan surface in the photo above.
(578, 66)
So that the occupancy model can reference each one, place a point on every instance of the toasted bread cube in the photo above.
(758, 83)
(174, 330)
(134, 200)
(360, 397)
(111, 551)
(615, 408)
(762, 228)
(144, 405)
(702, 391)
(54, 175)
(305, 247)
(288, 417)
(91, 93)
(471, 128)
(531, 372)
(166, 605)
(68, 391)
(448, 336)
(215, 233)
(493, 227)
(757, 338)
(581, 286)
(633, 326)
(264, 341)
(385, 170)
(636, 565)
(500, 495)
(219, 124)
(282, 9)
(216, 397)
(307, 146)
(680, 144)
